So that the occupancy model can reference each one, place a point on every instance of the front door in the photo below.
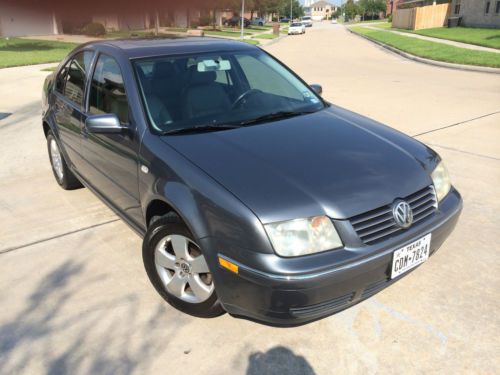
(69, 95)
(111, 160)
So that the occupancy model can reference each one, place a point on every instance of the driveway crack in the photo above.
(10, 249)
(455, 124)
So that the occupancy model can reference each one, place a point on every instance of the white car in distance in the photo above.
(296, 28)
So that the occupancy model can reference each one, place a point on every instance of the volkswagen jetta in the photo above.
(253, 195)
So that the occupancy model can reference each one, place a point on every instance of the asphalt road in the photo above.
(75, 300)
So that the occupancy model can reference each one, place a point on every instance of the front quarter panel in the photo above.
(206, 207)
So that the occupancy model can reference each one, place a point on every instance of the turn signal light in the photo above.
(228, 265)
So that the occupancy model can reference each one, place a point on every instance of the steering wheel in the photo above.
(243, 96)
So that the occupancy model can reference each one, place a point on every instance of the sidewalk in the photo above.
(437, 40)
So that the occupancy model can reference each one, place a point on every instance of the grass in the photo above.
(477, 36)
(480, 37)
(432, 50)
(259, 28)
(16, 51)
(385, 25)
(251, 41)
(231, 34)
(129, 34)
(265, 36)
(369, 21)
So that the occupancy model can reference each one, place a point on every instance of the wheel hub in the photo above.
(184, 267)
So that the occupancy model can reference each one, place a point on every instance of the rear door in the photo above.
(111, 162)
(69, 93)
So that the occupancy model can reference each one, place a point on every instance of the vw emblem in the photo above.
(403, 214)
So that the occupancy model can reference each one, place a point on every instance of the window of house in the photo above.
(457, 7)
(107, 91)
(497, 7)
(487, 8)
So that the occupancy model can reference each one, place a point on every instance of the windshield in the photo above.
(231, 88)
(296, 25)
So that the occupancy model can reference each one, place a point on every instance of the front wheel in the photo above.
(178, 269)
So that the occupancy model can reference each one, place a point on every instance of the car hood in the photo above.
(331, 162)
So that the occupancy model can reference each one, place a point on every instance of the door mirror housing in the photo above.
(107, 123)
(316, 88)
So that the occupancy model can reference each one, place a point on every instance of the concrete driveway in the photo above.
(74, 297)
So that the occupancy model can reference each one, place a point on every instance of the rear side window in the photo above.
(107, 91)
(71, 79)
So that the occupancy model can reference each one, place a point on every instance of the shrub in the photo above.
(204, 20)
(94, 29)
(389, 19)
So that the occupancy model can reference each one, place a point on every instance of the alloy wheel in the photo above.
(183, 269)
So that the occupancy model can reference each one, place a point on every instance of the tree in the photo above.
(371, 7)
(350, 9)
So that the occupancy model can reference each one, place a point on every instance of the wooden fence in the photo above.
(421, 17)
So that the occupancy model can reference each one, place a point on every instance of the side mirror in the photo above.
(108, 124)
(317, 88)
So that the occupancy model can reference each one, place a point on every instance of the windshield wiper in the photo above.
(275, 116)
(202, 128)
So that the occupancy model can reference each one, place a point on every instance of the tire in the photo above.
(173, 272)
(261, 24)
(63, 175)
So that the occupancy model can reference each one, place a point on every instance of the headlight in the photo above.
(441, 181)
(303, 236)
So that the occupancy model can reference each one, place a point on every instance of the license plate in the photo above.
(410, 256)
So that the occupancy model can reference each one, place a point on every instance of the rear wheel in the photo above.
(178, 269)
(64, 176)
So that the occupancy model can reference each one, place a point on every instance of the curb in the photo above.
(442, 64)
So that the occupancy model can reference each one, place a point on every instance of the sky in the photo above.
(336, 2)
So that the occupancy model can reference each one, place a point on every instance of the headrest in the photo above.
(164, 69)
(200, 78)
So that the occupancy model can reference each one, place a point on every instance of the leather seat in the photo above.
(203, 96)
(166, 86)
(157, 110)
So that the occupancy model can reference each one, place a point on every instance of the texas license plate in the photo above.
(410, 256)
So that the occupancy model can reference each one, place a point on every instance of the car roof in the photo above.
(147, 47)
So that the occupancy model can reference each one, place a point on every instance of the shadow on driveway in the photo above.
(280, 361)
(97, 340)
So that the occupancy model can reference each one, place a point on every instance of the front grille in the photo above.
(378, 225)
(322, 308)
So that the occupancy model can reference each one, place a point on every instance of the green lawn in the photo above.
(265, 36)
(432, 50)
(480, 37)
(385, 25)
(251, 41)
(231, 34)
(259, 28)
(369, 21)
(16, 51)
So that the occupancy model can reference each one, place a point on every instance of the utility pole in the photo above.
(291, 16)
(242, 19)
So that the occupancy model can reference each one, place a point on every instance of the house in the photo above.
(321, 10)
(391, 6)
(477, 13)
(20, 21)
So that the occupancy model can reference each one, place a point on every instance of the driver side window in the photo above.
(107, 91)
(263, 77)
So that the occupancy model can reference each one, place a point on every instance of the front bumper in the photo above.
(276, 291)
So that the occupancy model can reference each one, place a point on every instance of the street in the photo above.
(75, 297)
